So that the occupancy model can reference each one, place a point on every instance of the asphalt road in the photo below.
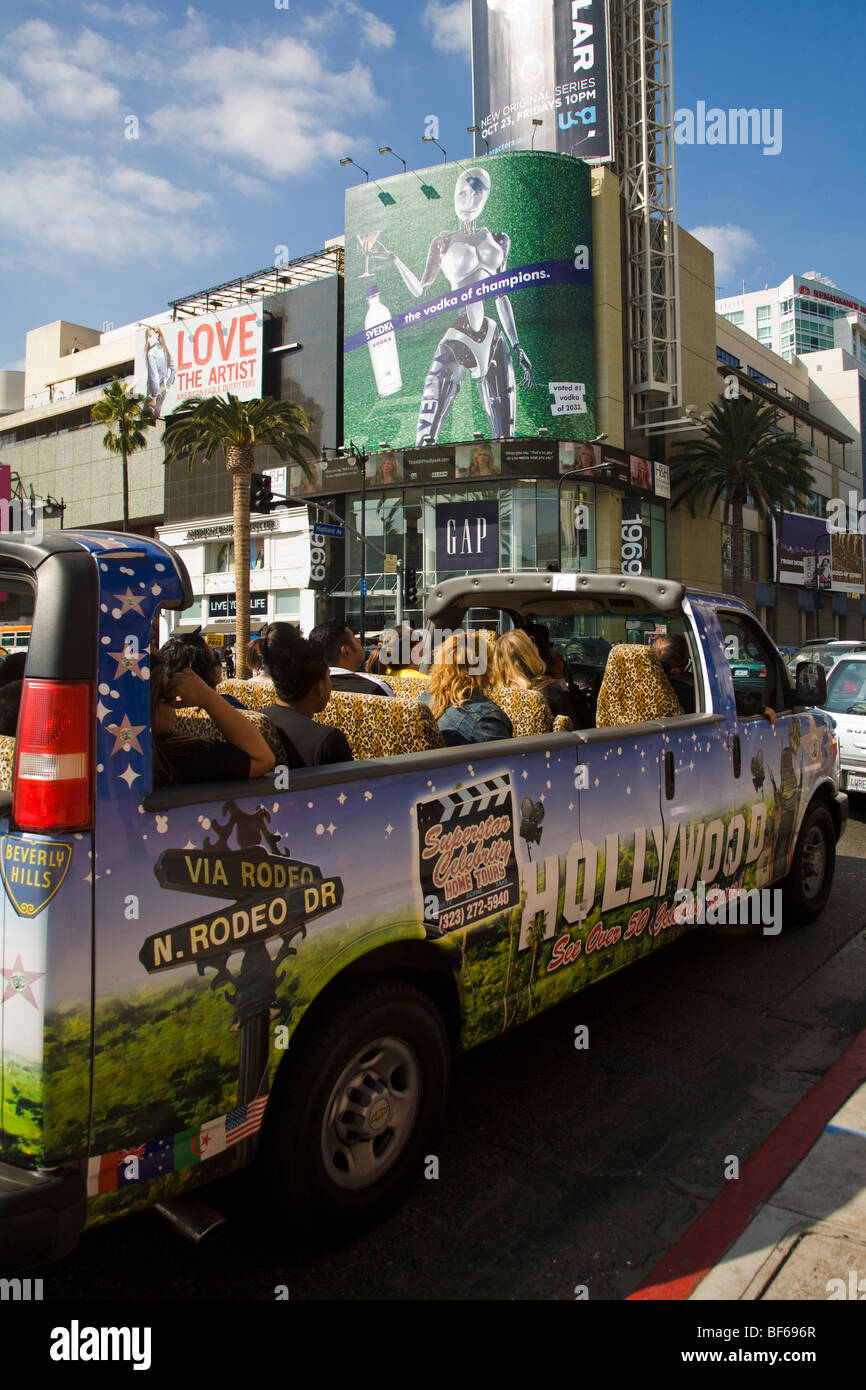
(558, 1167)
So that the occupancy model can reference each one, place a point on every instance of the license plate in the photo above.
(855, 783)
(741, 675)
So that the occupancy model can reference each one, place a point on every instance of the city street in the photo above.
(559, 1167)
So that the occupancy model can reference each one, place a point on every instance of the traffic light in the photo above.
(260, 492)
(411, 588)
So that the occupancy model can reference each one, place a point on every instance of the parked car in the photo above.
(825, 650)
(197, 975)
(846, 701)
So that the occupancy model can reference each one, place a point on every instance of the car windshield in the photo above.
(586, 641)
(847, 688)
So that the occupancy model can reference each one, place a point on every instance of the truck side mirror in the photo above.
(811, 683)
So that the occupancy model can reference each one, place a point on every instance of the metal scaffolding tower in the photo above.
(643, 103)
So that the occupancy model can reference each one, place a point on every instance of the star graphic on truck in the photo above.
(19, 980)
(125, 736)
(126, 661)
(130, 601)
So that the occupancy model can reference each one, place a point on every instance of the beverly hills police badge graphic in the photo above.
(32, 871)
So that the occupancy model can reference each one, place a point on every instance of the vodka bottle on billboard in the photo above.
(382, 342)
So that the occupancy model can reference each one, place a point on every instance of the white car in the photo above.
(846, 701)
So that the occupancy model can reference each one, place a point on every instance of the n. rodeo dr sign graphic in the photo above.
(273, 897)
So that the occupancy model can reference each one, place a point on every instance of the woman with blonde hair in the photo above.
(518, 664)
(460, 679)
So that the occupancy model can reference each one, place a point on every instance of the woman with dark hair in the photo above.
(254, 661)
(244, 753)
(302, 681)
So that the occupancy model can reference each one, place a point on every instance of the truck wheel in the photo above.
(807, 886)
(359, 1107)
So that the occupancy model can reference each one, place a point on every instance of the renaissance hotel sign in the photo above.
(469, 304)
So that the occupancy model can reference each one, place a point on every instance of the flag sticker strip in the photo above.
(158, 1157)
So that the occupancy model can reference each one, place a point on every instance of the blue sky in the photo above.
(243, 115)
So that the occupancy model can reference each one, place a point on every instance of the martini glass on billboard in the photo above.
(366, 244)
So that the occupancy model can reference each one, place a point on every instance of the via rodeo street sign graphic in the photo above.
(275, 896)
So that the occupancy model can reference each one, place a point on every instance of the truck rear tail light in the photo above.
(53, 778)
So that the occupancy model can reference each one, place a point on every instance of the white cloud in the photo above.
(15, 107)
(268, 106)
(374, 31)
(81, 207)
(65, 79)
(449, 25)
(136, 16)
(730, 245)
(245, 184)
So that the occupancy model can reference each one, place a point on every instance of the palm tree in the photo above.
(202, 427)
(741, 454)
(128, 412)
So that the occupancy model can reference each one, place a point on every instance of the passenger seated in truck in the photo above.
(178, 760)
(460, 677)
(519, 666)
(193, 651)
(673, 653)
(302, 683)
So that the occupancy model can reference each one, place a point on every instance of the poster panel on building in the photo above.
(208, 355)
(469, 314)
(811, 557)
(467, 536)
(546, 61)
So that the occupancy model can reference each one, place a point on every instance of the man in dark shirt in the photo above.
(345, 657)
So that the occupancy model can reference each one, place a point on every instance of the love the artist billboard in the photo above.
(469, 304)
(207, 355)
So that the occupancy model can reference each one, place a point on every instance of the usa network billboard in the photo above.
(209, 355)
(545, 61)
(469, 308)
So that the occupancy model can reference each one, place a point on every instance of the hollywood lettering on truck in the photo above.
(274, 896)
(32, 871)
(467, 862)
(705, 851)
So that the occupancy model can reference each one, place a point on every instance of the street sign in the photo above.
(363, 588)
(391, 564)
(325, 529)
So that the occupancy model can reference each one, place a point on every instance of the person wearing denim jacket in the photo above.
(459, 680)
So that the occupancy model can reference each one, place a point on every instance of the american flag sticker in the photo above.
(467, 863)
(245, 1121)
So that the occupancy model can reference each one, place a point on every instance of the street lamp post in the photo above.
(361, 463)
(572, 477)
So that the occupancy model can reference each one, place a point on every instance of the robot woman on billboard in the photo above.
(474, 343)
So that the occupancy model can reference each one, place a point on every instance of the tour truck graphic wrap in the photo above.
(469, 304)
(184, 932)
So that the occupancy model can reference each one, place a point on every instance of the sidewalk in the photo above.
(795, 1220)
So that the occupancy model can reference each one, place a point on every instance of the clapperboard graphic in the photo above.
(466, 854)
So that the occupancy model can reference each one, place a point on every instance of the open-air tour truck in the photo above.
(194, 976)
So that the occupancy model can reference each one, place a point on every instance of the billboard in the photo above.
(811, 557)
(470, 314)
(545, 61)
(209, 355)
(467, 535)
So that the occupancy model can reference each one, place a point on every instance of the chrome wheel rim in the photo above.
(371, 1113)
(814, 863)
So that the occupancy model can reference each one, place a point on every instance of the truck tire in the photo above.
(360, 1104)
(810, 878)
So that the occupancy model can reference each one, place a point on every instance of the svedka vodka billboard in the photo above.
(545, 61)
(469, 307)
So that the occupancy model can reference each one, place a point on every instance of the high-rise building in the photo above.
(806, 313)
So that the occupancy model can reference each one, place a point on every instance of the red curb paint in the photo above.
(679, 1272)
